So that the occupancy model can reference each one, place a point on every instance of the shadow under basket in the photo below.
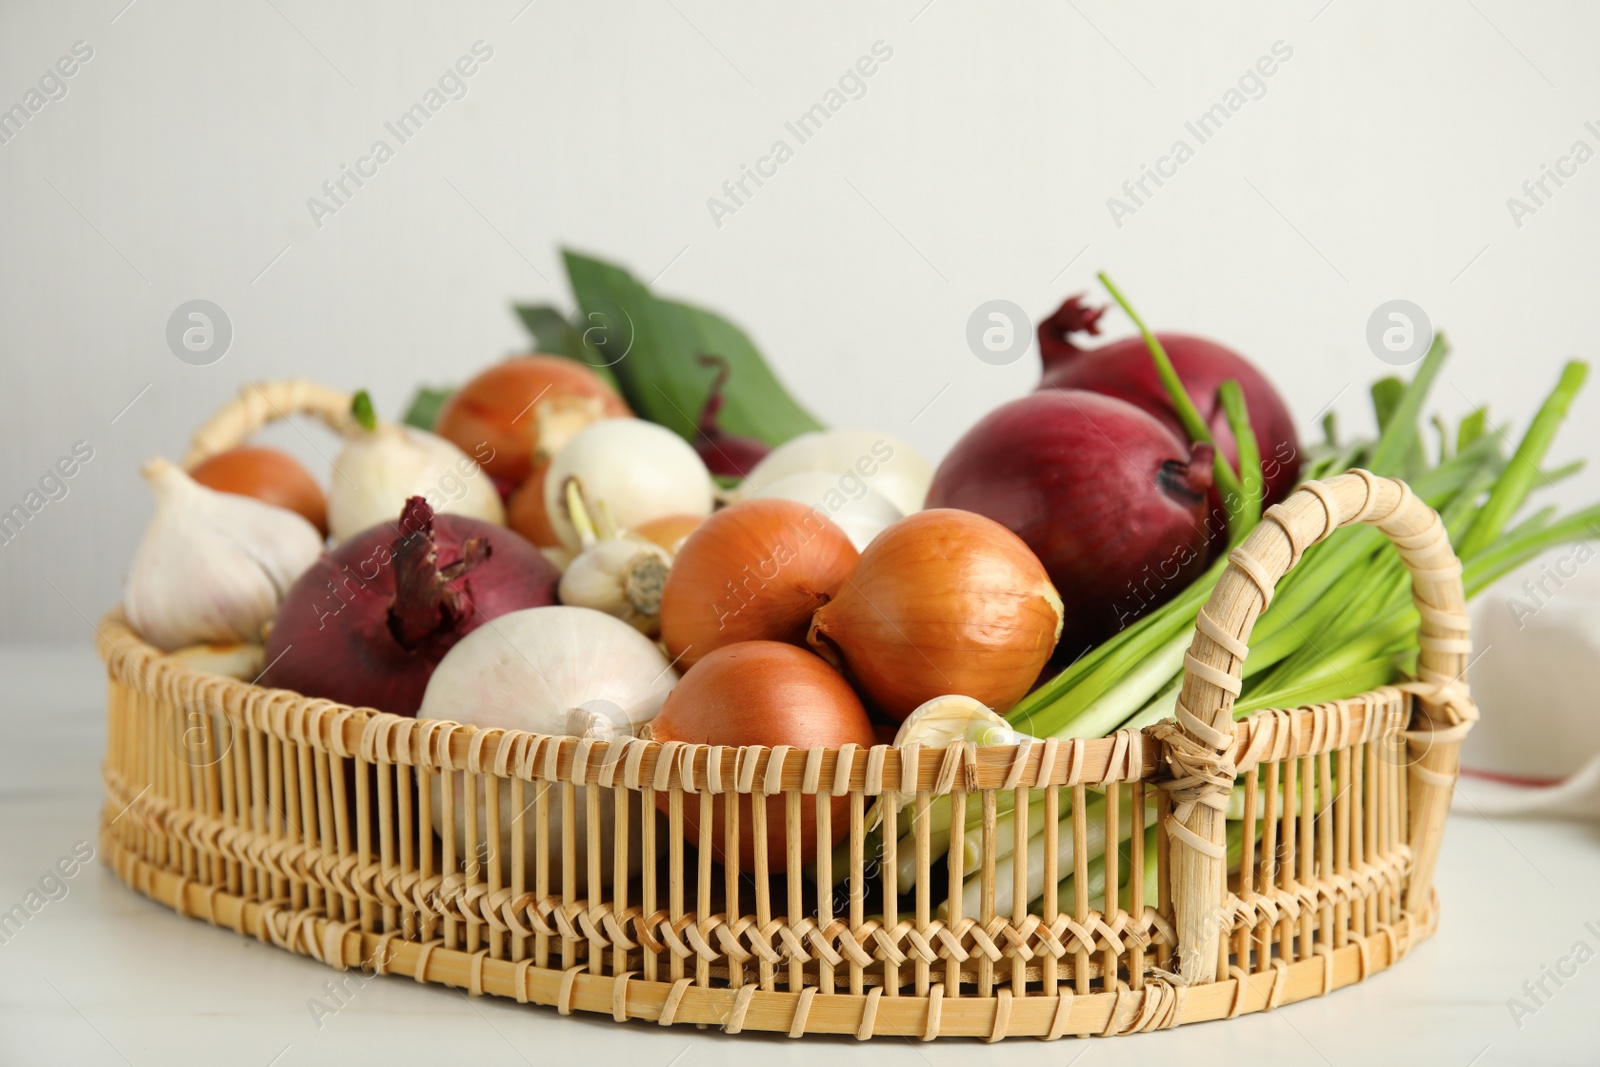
(342, 833)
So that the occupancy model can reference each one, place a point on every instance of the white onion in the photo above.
(856, 508)
(885, 463)
(378, 470)
(634, 470)
(551, 670)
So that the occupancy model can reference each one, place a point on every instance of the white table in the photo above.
(103, 975)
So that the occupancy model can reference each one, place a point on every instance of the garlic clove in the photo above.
(212, 567)
(946, 719)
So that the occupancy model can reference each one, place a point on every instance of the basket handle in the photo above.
(260, 403)
(1200, 747)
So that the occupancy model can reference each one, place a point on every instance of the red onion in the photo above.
(725, 454)
(1111, 502)
(367, 624)
(1124, 369)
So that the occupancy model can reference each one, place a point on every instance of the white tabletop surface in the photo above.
(103, 975)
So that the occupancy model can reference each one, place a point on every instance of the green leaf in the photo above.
(1252, 487)
(1523, 467)
(1444, 438)
(1398, 442)
(361, 409)
(426, 403)
(1387, 396)
(650, 345)
(1386, 393)
(1471, 428)
(552, 333)
(555, 335)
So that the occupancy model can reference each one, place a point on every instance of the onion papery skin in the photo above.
(268, 475)
(1124, 369)
(763, 693)
(944, 601)
(333, 638)
(754, 571)
(1103, 494)
(500, 407)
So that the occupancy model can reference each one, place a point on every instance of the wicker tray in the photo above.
(312, 826)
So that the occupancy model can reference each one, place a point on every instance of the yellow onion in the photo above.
(525, 509)
(270, 476)
(763, 693)
(669, 531)
(754, 571)
(942, 602)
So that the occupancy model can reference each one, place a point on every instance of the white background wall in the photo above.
(978, 164)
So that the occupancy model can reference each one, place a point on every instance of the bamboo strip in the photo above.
(1050, 902)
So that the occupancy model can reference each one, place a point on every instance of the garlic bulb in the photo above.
(554, 670)
(212, 567)
(862, 513)
(938, 722)
(378, 470)
(622, 577)
(633, 470)
(853, 457)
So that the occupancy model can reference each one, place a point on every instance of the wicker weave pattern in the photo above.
(333, 831)
(255, 831)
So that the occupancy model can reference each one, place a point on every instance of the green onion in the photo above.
(1188, 416)
(1252, 484)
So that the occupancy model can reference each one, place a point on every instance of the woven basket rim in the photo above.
(445, 745)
